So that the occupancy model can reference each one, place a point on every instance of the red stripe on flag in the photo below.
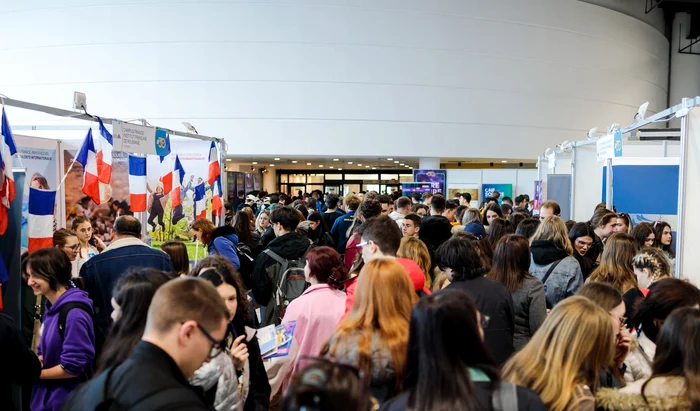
(138, 202)
(104, 170)
(216, 205)
(214, 171)
(91, 187)
(176, 197)
(202, 214)
(39, 243)
(167, 181)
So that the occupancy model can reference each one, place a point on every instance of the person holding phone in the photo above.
(90, 245)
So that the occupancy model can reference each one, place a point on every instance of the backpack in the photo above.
(289, 282)
(99, 335)
(247, 264)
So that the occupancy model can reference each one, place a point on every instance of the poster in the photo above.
(437, 179)
(538, 195)
(133, 138)
(506, 190)
(413, 187)
(248, 182)
(453, 192)
(257, 184)
(41, 166)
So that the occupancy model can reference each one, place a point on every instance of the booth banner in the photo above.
(413, 187)
(41, 165)
(133, 138)
(506, 190)
(609, 146)
(538, 195)
(454, 191)
(437, 179)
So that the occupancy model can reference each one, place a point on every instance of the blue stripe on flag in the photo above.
(137, 166)
(87, 146)
(41, 202)
(7, 133)
(178, 166)
(199, 192)
(106, 134)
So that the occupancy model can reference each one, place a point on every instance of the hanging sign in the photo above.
(609, 146)
(552, 160)
(133, 138)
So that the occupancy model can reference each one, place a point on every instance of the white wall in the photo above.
(298, 77)
(523, 180)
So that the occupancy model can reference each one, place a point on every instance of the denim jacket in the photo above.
(564, 280)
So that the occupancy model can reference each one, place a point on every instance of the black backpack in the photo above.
(247, 264)
(288, 283)
(99, 335)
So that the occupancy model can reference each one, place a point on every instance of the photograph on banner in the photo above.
(437, 179)
(506, 190)
(41, 166)
(453, 192)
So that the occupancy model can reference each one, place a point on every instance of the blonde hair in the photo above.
(258, 227)
(384, 299)
(655, 260)
(553, 229)
(416, 250)
(572, 345)
(616, 263)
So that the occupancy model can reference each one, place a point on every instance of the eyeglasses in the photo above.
(485, 321)
(622, 320)
(362, 244)
(72, 247)
(583, 243)
(217, 346)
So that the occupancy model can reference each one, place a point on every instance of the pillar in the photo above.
(429, 163)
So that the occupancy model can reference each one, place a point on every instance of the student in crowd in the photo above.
(403, 208)
(644, 234)
(186, 324)
(609, 298)
(90, 245)
(318, 231)
(386, 203)
(462, 266)
(507, 210)
(465, 199)
(326, 385)
(435, 229)
(131, 298)
(101, 272)
(374, 336)
(499, 228)
(491, 212)
(411, 225)
(471, 216)
(244, 229)
(368, 209)
(476, 234)
(664, 240)
(66, 351)
(616, 269)
(289, 245)
(552, 261)
(674, 383)
(427, 199)
(68, 242)
(624, 223)
(549, 209)
(319, 310)
(421, 209)
(582, 237)
(332, 212)
(177, 250)
(664, 296)
(218, 240)
(516, 218)
(341, 229)
(20, 365)
(528, 227)
(604, 224)
(562, 360)
(451, 211)
(262, 222)
(511, 262)
(569, 225)
(242, 352)
(449, 366)
(414, 249)
(650, 265)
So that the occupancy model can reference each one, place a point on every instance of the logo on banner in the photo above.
(162, 143)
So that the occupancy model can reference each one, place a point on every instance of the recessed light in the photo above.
(228, 159)
(340, 169)
(366, 166)
(504, 161)
(402, 164)
(308, 164)
(272, 165)
(396, 161)
(374, 168)
(389, 159)
(359, 165)
(255, 162)
(335, 159)
(294, 161)
(332, 167)
(320, 165)
(349, 162)
(277, 159)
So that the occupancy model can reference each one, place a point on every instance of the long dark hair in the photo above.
(459, 255)
(511, 261)
(659, 230)
(444, 343)
(678, 352)
(133, 293)
(491, 207)
(241, 224)
(587, 261)
(664, 296)
(641, 232)
(499, 228)
(224, 272)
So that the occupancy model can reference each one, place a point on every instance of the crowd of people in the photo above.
(400, 303)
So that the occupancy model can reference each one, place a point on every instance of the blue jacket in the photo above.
(339, 230)
(566, 277)
(223, 242)
(102, 271)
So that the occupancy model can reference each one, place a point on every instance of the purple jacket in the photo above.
(75, 353)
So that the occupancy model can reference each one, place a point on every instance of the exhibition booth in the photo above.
(650, 180)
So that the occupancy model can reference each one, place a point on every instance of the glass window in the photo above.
(297, 178)
(283, 188)
(334, 176)
(283, 178)
(390, 177)
(362, 176)
(406, 178)
(314, 178)
(312, 187)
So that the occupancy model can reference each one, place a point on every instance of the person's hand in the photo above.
(624, 341)
(100, 244)
(41, 360)
(239, 353)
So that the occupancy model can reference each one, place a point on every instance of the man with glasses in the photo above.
(185, 327)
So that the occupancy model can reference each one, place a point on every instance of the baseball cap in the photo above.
(477, 229)
(251, 198)
(415, 274)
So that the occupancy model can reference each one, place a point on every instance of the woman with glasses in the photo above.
(582, 237)
(68, 242)
(562, 360)
(644, 234)
(240, 369)
(664, 296)
(664, 241)
(449, 366)
(463, 267)
(374, 335)
(609, 299)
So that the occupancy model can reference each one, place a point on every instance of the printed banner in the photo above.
(506, 190)
(133, 138)
(437, 179)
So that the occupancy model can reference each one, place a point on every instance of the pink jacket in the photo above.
(317, 313)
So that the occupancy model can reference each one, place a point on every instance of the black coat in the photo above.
(259, 391)
(20, 366)
(494, 300)
(146, 375)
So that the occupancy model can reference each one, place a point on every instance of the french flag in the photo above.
(137, 183)
(217, 194)
(166, 173)
(7, 150)
(87, 156)
(104, 154)
(214, 167)
(40, 221)
(178, 175)
(200, 201)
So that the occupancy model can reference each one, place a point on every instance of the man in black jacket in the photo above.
(186, 324)
(20, 365)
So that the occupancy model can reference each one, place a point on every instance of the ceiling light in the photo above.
(272, 165)
(255, 162)
(366, 166)
(228, 159)
(335, 159)
(340, 169)
(504, 161)
(294, 161)
(308, 164)
(359, 165)
(374, 168)
(402, 164)
(389, 159)
(277, 159)
(396, 161)
(332, 167)
(320, 165)
(349, 162)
